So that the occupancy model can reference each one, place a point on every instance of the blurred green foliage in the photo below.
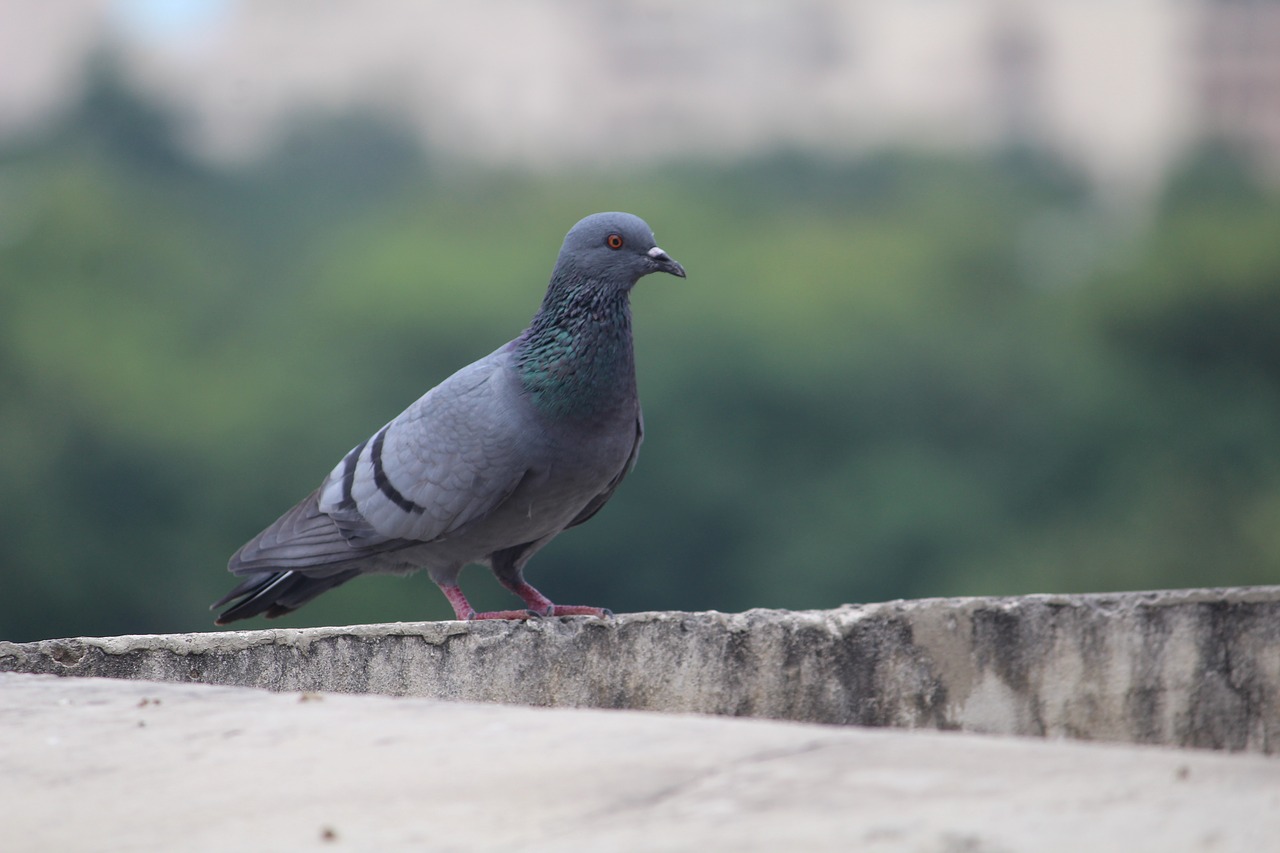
(892, 377)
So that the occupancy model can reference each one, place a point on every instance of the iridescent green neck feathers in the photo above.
(576, 359)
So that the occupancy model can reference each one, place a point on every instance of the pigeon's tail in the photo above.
(276, 593)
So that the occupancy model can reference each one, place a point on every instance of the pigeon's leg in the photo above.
(542, 605)
(463, 610)
(508, 567)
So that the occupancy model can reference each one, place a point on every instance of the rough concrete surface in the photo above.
(1185, 668)
(106, 765)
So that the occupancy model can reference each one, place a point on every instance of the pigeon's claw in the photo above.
(542, 606)
(538, 606)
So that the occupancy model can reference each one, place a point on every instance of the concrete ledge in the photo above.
(1186, 668)
(103, 766)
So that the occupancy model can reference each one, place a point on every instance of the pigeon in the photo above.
(491, 464)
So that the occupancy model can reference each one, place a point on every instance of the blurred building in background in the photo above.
(1121, 89)
(1236, 56)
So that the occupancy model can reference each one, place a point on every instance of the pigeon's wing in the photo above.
(302, 538)
(449, 459)
(594, 505)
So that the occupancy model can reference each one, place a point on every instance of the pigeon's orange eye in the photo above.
(614, 241)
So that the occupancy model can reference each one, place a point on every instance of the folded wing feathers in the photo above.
(424, 475)
(302, 538)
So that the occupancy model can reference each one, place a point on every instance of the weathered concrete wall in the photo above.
(1188, 668)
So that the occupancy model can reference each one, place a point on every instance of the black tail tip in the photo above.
(231, 614)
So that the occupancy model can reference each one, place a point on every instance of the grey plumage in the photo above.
(492, 463)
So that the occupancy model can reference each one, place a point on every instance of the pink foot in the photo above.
(542, 605)
(539, 605)
(551, 610)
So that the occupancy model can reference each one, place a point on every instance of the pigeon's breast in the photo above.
(569, 468)
(580, 460)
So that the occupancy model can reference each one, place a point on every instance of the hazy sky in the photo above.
(168, 20)
(560, 82)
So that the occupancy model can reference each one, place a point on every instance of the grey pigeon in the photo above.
(491, 464)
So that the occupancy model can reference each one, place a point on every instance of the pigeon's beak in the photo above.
(662, 262)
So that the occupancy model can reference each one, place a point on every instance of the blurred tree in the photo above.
(876, 382)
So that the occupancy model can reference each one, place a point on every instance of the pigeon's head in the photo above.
(614, 247)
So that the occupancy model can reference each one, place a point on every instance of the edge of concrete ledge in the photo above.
(1194, 667)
